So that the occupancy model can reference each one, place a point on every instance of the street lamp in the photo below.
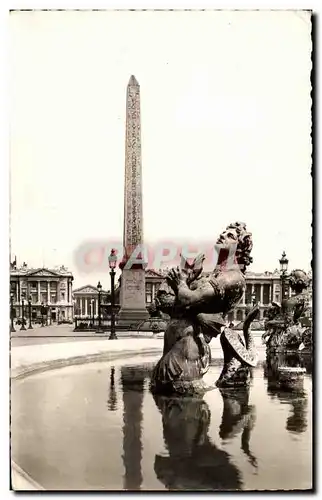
(283, 271)
(112, 259)
(12, 329)
(75, 308)
(29, 313)
(23, 313)
(99, 288)
(42, 313)
(92, 305)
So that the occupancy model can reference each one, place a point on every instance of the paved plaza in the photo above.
(47, 346)
(65, 333)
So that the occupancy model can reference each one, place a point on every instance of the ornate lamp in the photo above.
(283, 269)
(29, 312)
(283, 263)
(12, 313)
(23, 312)
(99, 288)
(112, 259)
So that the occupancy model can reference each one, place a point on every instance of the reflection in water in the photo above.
(132, 379)
(297, 421)
(194, 463)
(62, 452)
(297, 399)
(112, 400)
(238, 417)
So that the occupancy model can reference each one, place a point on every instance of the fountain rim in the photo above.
(37, 368)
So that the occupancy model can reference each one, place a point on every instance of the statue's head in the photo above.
(299, 280)
(236, 234)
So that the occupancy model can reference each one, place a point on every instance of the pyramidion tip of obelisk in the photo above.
(133, 81)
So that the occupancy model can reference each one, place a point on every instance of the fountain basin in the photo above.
(97, 427)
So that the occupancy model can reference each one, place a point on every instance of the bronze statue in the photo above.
(198, 306)
(239, 354)
(283, 328)
(285, 370)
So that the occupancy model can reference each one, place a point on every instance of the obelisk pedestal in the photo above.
(132, 297)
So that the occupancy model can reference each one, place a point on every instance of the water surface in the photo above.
(97, 427)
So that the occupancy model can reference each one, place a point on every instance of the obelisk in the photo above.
(132, 296)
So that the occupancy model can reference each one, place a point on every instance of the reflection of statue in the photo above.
(238, 417)
(197, 306)
(297, 421)
(194, 462)
(283, 326)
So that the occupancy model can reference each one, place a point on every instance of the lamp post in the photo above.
(283, 272)
(112, 259)
(12, 329)
(42, 313)
(92, 310)
(23, 313)
(99, 288)
(29, 313)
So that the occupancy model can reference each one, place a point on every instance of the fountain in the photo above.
(198, 306)
(287, 340)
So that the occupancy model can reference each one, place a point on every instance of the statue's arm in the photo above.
(205, 292)
(189, 298)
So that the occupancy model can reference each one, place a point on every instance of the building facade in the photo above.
(85, 300)
(264, 288)
(153, 280)
(51, 288)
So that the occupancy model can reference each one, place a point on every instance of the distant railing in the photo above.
(93, 325)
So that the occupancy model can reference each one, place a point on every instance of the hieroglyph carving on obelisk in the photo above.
(133, 306)
(133, 227)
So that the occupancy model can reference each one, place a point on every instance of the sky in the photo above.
(225, 118)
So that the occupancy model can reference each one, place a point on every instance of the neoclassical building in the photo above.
(85, 301)
(51, 288)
